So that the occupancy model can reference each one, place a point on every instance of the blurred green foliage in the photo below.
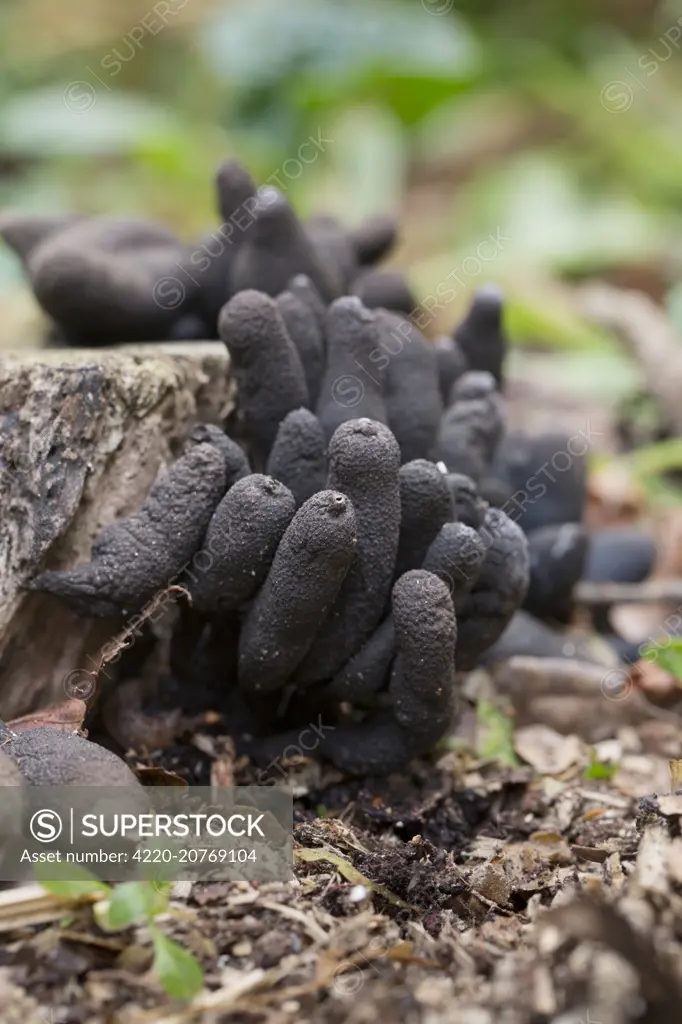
(553, 123)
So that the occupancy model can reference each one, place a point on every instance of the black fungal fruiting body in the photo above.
(557, 562)
(143, 553)
(451, 362)
(456, 556)
(306, 576)
(240, 543)
(619, 556)
(545, 477)
(364, 461)
(499, 591)
(353, 383)
(276, 249)
(304, 330)
(335, 250)
(236, 462)
(469, 508)
(385, 289)
(106, 280)
(267, 367)
(411, 391)
(425, 505)
(48, 757)
(421, 686)
(374, 239)
(471, 428)
(299, 455)
(481, 336)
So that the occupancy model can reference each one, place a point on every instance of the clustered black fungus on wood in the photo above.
(373, 531)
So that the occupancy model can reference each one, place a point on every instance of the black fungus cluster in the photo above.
(371, 527)
(340, 562)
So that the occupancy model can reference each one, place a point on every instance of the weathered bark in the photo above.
(83, 435)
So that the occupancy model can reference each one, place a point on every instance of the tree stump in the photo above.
(83, 435)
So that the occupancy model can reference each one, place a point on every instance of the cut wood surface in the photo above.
(83, 435)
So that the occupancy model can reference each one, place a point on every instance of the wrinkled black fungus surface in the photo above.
(411, 389)
(499, 591)
(240, 543)
(364, 460)
(335, 249)
(470, 509)
(367, 671)
(425, 505)
(236, 462)
(456, 556)
(48, 757)
(421, 687)
(299, 455)
(306, 576)
(145, 552)
(353, 382)
(267, 367)
(303, 329)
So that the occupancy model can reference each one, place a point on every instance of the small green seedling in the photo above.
(117, 908)
(668, 654)
(598, 770)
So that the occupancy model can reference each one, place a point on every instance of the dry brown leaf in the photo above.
(65, 717)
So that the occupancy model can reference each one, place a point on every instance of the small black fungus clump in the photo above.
(425, 506)
(557, 561)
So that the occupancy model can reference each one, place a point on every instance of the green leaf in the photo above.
(597, 769)
(71, 888)
(134, 901)
(668, 654)
(495, 734)
(179, 972)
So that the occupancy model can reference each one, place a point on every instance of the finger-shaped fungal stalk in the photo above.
(452, 363)
(423, 676)
(276, 249)
(303, 287)
(557, 560)
(425, 506)
(236, 462)
(456, 556)
(240, 543)
(47, 757)
(299, 455)
(145, 552)
(545, 475)
(470, 508)
(24, 232)
(412, 391)
(385, 289)
(374, 239)
(303, 329)
(422, 686)
(306, 576)
(353, 384)
(471, 428)
(499, 591)
(105, 280)
(481, 335)
(335, 249)
(267, 367)
(367, 671)
(364, 462)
